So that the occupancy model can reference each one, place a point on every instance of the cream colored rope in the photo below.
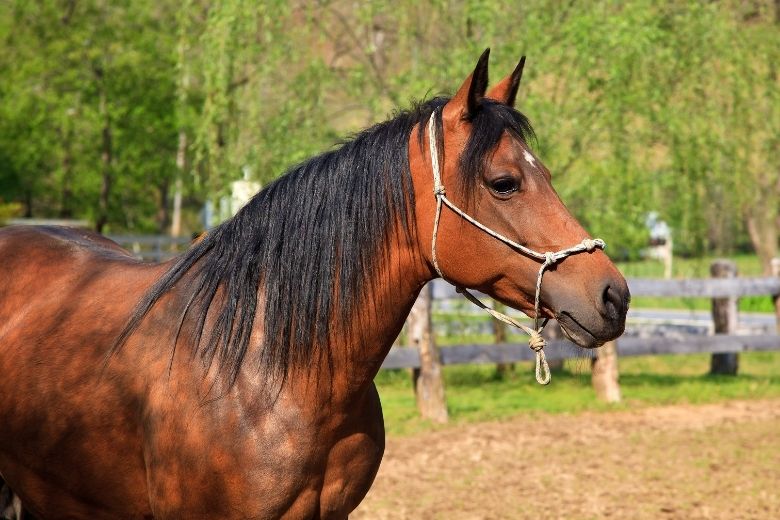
(536, 342)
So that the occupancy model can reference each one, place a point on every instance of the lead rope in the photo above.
(535, 341)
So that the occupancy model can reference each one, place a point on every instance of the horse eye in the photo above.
(504, 186)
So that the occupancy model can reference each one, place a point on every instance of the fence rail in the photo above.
(687, 288)
(706, 287)
(152, 248)
(481, 354)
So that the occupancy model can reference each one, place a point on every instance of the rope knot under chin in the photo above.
(439, 190)
(536, 341)
(537, 344)
(550, 258)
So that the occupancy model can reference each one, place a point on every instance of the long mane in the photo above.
(303, 250)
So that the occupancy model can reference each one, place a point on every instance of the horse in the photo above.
(236, 380)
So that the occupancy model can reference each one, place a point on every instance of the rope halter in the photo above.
(536, 342)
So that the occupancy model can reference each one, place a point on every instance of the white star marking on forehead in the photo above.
(529, 158)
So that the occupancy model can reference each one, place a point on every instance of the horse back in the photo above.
(64, 297)
(39, 239)
(69, 273)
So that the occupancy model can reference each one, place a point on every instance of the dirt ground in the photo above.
(673, 462)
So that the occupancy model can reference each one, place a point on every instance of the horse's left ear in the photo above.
(506, 90)
(465, 102)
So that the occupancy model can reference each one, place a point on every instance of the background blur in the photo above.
(113, 112)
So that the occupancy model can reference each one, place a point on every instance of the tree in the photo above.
(116, 112)
(87, 107)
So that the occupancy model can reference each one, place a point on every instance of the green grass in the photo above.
(477, 393)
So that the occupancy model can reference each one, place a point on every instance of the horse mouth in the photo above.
(576, 332)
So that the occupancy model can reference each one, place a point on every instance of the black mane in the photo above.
(308, 244)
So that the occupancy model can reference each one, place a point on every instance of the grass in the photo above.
(478, 393)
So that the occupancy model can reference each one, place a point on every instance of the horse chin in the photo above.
(576, 333)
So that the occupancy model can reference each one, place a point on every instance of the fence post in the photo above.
(553, 332)
(158, 255)
(776, 297)
(724, 317)
(499, 336)
(428, 382)
(604, 373)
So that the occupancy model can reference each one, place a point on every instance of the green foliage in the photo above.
(640, 105)
(10, 210)
(68, 71)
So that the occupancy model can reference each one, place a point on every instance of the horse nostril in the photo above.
(612, 301)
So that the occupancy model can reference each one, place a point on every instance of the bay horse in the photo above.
(236, 380)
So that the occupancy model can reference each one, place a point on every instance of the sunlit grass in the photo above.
(477, 393)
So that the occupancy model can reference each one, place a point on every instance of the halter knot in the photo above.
(439, 190)
(590, 244)
(550, 258)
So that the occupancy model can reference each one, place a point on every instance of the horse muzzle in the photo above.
(591, 321)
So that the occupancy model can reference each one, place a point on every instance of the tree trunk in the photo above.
(163, 213)
(106, 154)
(764, 234)
(428, 382)
(499, 336)
(553, 332)
(66, 204)
(181, 163)
(28, 203)
(105, 188)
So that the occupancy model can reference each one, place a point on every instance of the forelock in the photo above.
(488, 125)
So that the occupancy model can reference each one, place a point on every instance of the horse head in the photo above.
(512, 219)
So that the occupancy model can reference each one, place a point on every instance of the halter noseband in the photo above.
(536, 342)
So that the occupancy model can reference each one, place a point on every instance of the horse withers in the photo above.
(236, 380)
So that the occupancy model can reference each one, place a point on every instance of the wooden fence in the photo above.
(725, 288)
(152, 248)
(149, 248)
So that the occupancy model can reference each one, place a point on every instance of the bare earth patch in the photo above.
(672, 462)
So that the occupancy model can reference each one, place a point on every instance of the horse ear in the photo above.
(506, 90)
(466, 101)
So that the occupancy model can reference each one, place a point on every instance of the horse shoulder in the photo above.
(276, 457)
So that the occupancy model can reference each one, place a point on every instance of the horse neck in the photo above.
(407, 271)
(358, 355)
